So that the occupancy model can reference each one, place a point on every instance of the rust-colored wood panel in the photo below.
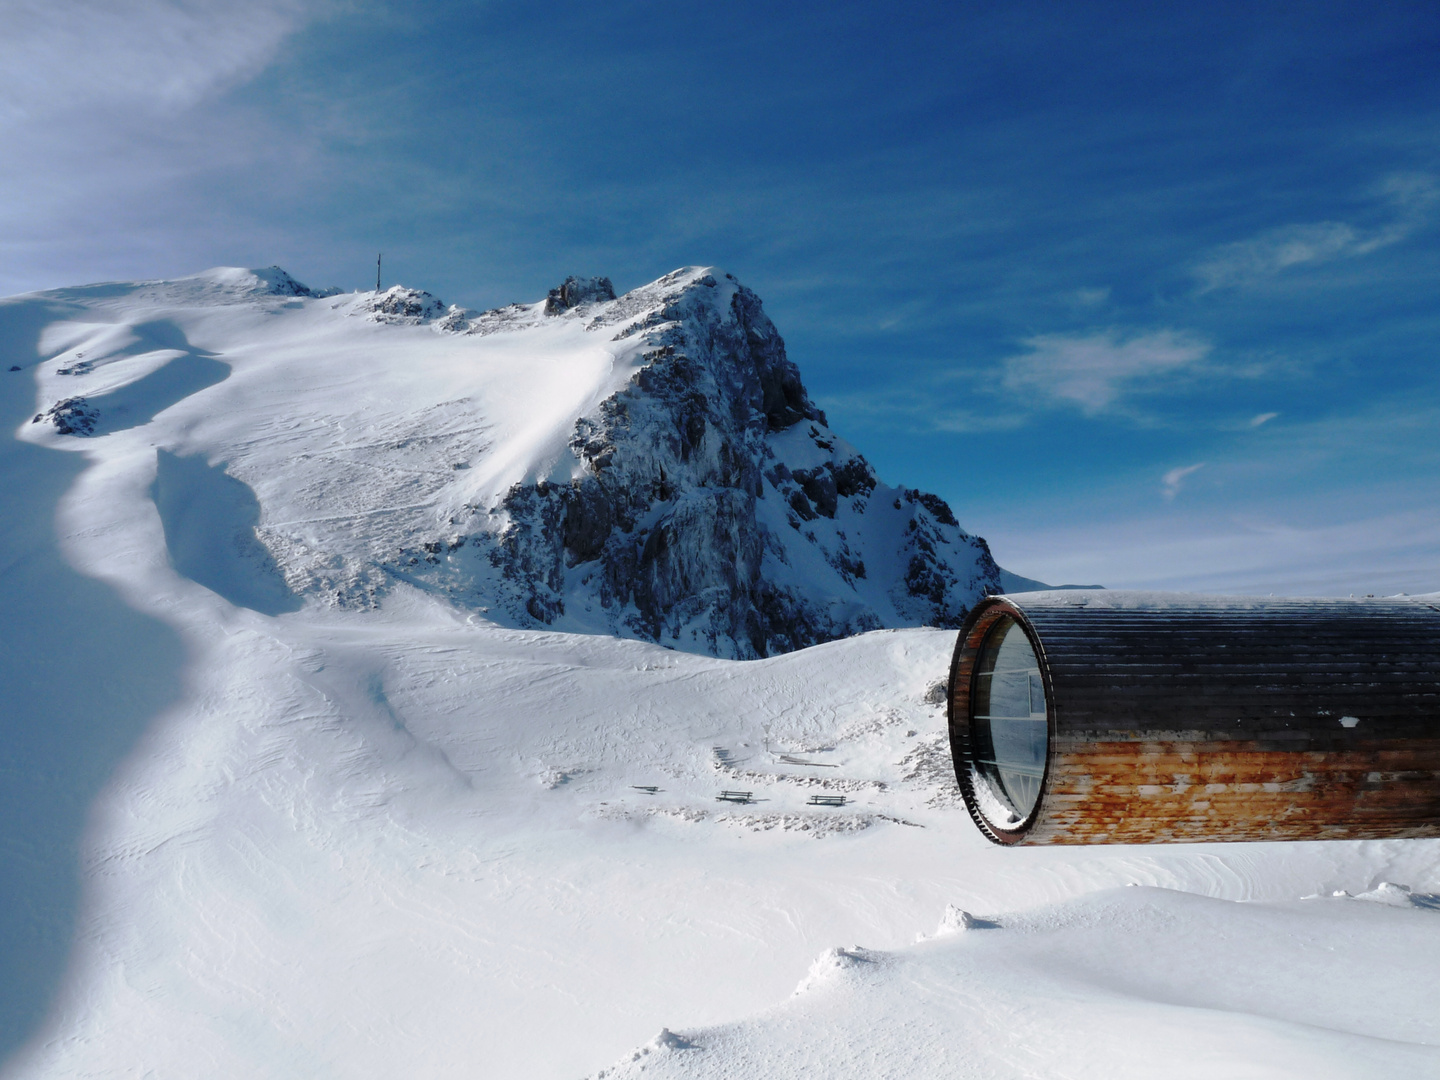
(1185, 791)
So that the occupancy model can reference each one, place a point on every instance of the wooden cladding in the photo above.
(1176, 718)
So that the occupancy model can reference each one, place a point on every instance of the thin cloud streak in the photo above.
(1102, 372)
(1176, 477)
(1094, 371)
(1410, 197)
(57, 56)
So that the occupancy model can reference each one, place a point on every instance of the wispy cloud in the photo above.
(1407, 197)
(1176, 477)
(119, 137)
(1091, 297)
(1263, 418)
(57, 55)
(1101, 372)
(1093, 371)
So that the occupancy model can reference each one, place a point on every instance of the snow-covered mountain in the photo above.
(648, 465)
(287, 789)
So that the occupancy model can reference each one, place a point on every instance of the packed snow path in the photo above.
(249, 836)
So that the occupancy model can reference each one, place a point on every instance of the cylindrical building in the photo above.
(1098, 717)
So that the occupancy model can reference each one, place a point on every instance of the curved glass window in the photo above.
(1011, 734)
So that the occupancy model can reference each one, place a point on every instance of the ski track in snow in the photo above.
(408, 841)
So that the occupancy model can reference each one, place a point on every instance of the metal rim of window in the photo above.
(1003, 755)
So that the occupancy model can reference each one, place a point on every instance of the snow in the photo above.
(1121, 983)
(250, 830)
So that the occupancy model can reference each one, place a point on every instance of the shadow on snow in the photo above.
(81, 677)
(209, 519)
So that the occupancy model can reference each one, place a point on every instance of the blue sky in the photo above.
(1150, 296)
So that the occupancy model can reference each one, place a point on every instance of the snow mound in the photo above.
(955, 921)
(1126, 983)
(834, 966)
(1400, 896)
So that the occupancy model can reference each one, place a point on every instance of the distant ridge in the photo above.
(1013, 583)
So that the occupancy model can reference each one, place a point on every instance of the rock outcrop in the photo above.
(707, 505)
(576, 291)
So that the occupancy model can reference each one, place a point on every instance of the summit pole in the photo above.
(377, 271)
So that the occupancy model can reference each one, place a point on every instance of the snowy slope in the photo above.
(275, 805)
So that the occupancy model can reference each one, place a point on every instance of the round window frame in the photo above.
(969, 773)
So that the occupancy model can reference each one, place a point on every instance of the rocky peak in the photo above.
(576, 291)
(706, 504)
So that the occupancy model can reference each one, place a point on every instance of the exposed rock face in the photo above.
(576, 291)
(73, 416)
(276, 282)
(709, 506)
(400, 304)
